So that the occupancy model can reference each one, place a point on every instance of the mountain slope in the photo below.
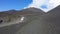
(49, 23)
(53, 20)
(31, 10)
(54, 13)
(29, 14)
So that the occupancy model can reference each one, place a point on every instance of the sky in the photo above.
(13, 4)
(44, 5)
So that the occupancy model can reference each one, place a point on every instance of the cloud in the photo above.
(44, 5)
(35, 3)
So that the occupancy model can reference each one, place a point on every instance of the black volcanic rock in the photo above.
(55, 10)
(32, 10)
(53, 20)
(30, 14)
(48, 23)
(25, 12)
(54, 14)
